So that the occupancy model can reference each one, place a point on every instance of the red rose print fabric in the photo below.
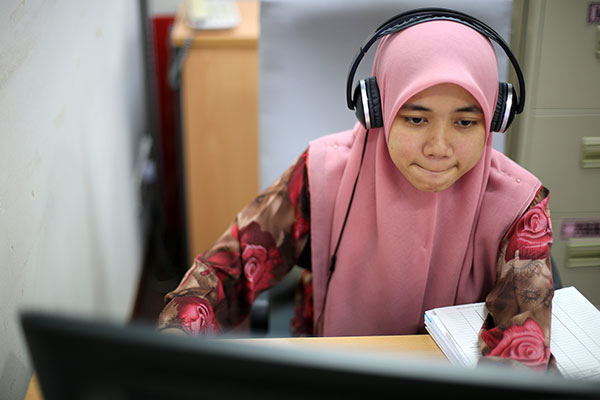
(196, 315)
(531, 236)
(270, 235)
(525, 343)
(262, 244)
(295, 188)
(520, 304)
(260, 257)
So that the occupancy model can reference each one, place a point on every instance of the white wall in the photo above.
(164, 7)
(71, 110)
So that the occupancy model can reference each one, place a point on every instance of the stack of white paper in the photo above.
(574, 339)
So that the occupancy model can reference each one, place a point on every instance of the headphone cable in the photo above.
(334, 256)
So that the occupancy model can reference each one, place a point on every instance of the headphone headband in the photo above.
(418, 16)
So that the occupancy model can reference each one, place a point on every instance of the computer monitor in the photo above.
(76, 358)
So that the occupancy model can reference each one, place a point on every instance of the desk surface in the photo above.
(414, 345)
(417, 345)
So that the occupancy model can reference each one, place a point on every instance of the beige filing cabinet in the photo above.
(557, 48)
(219, 100)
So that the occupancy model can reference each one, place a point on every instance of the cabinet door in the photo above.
(569, 73)
(220, 139)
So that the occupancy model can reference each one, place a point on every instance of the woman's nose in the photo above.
(438, 143)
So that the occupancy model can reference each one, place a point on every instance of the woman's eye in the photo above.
(463, 123)
(415, 120)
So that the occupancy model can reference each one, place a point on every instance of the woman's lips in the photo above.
(436, 170)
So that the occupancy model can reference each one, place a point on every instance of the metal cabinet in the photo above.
(557, 47)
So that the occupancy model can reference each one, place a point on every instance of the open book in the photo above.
(574, 340)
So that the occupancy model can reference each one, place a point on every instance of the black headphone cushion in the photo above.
(499, 111)
(374, 102)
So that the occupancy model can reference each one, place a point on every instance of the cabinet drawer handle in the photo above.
(583, 253)
(590, 152)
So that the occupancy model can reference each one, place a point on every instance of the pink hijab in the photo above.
(405, 251)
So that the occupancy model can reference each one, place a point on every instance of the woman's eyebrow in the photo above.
(472, 108)
(418, 107)
(414, 107)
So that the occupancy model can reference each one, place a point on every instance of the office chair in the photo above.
(555, 275)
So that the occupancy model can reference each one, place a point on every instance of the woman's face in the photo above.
(437, 136)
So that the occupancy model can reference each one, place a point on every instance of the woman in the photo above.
(437, 216)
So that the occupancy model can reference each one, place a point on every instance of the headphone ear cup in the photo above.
(512, 95)
(505, 110)
(499, 110)
(359, 106)
(367, 103)
(374, 102)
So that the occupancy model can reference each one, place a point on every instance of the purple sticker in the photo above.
(580, 228)
(594, 13)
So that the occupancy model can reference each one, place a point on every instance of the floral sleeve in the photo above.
(517, 328)
(259, 248)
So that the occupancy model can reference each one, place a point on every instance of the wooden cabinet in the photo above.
(219, 104)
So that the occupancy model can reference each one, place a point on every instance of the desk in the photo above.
(421, 346)
(414, 345)
(219, 106)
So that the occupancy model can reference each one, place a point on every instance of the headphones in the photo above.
(366, 101)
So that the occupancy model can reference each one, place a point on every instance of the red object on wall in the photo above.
(168, 121)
